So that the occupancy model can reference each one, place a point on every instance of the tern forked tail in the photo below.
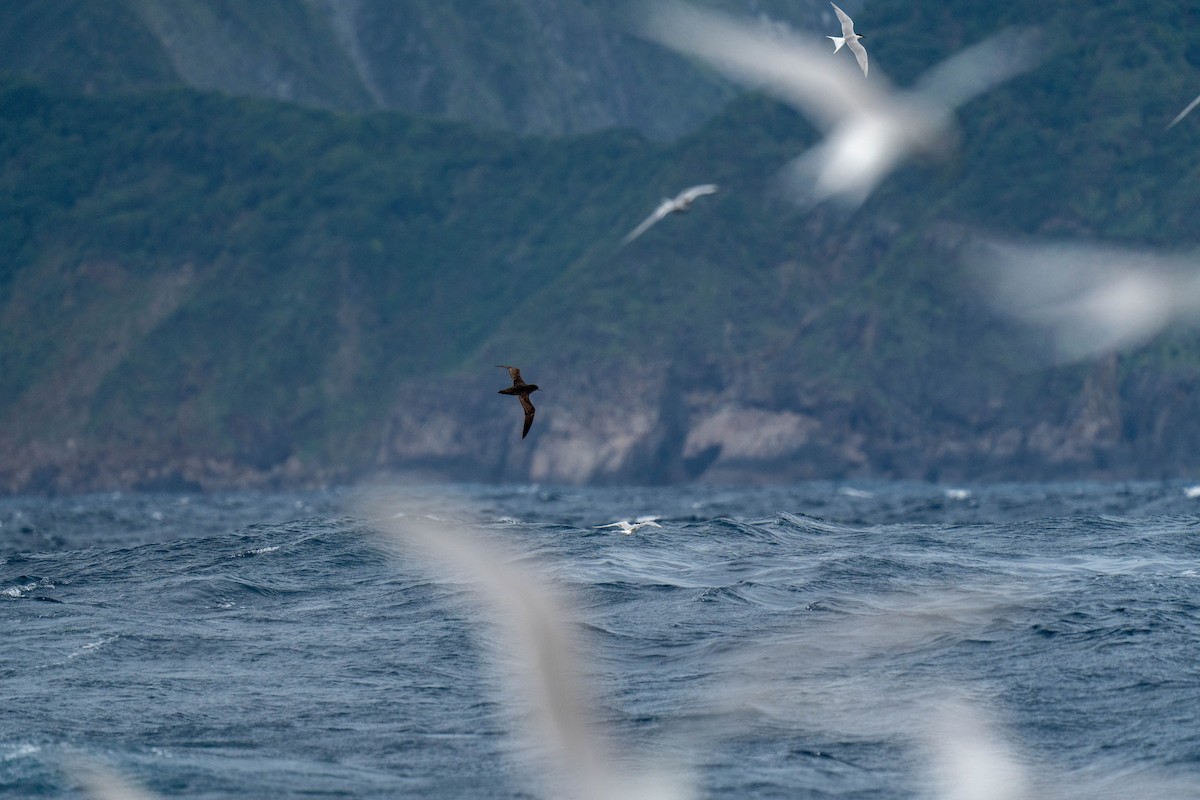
(522, 390)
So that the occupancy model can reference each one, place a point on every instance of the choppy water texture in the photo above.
(874, 640)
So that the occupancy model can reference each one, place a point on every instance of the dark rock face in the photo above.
(208, 291)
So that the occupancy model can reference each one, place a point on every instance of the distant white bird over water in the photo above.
(869, 127)
(1185, 112)
(682, 202)
(628, 527)
(849, 38)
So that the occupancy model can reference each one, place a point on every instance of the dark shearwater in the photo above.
(522, 390)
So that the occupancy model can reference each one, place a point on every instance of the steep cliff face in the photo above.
(656, 427)
(210, 291)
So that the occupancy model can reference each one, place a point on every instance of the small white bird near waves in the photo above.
(682, 202)
(849, 38)
(628, 527)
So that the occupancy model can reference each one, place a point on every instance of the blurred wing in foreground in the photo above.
(100, 783)
(869, 128)
(1090, 298)
(1187, 110)
(547, 672)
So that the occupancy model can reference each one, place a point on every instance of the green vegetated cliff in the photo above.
(200, 290)
(544, 68)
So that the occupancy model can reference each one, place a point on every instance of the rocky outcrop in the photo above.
(658, 429)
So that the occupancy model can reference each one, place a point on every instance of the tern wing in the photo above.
(688, 195)
(980, 67)
(99, 783)
(1093, 299)
(860, 53)
(1185, 112)
(793, 69)
(514, 373)
(536, 633)
(847, 23)
(663, 209)
(529, 411)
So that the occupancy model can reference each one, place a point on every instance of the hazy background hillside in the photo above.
(221, 264)
(533, 66)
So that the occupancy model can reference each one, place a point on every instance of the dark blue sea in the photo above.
(827, 640)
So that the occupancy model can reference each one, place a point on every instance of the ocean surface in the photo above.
(826, 640)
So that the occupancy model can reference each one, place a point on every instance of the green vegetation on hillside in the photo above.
(193, 275)
(282, 267)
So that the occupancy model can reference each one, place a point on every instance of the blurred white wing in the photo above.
(100, 783)
(1091, 299)
(869, 128)
(793, 69)
(666, 207)
(980, 67)
(688, 195)
(969, 760)
(1185, 112)
(549, 677)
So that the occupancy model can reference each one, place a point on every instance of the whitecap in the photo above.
(90, 646)
(1191, 492)
(15, 751)
(958, 494)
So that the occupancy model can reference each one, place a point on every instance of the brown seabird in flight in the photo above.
(522, 390)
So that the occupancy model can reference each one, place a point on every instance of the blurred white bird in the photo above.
(100, 783)
(628, 527)
(849, 38)
(869, 128)
(1090, 298)
(1185, 112)
(969, 759)
(547, 669)
(682, 202)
